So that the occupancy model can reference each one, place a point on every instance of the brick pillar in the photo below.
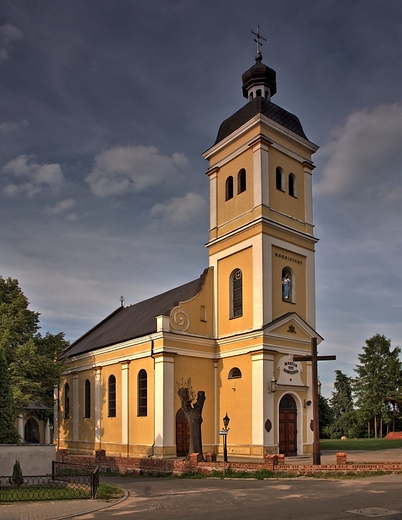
(100, 455)
(195, 458)
(269, 462)
(341, 458)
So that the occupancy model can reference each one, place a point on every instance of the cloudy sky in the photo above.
(106, 107)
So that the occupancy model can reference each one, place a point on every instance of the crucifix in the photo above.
(314, 358)
(259, 37)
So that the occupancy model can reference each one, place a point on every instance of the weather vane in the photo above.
(259, 37)
(122, 301)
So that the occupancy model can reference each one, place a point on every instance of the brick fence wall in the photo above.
(273, 463)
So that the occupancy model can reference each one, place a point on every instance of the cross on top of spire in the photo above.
(257, 40)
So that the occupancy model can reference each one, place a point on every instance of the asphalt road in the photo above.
(290, 499)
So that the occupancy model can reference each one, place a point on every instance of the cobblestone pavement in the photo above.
(57, 510)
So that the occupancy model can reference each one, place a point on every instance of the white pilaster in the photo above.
(164, 401)
(98, 406)
(260, 175)
(267, 279)
(213, 200)
(310, 288)
(76, 407)
(216, 403)
(258, 285)
(47, 432)
(56, 407)
(308, 190)
(21, 426)
(262, 401)
(124, 402)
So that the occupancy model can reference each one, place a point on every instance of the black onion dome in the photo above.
(258, 74)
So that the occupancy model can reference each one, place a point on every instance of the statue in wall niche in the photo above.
(286, 282)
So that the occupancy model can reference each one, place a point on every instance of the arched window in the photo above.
(258, 93)
(292, 185)
(288, 285)
(142, 393)
(280, 179)
(112, 396)
(236, 284)
(234, 373)
(241, 181)
(66, 401)
(229, 188)
(87, 399)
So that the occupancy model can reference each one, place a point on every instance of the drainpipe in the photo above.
(153, 357)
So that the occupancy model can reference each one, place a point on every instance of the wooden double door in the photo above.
(182, 434)
(288, 426)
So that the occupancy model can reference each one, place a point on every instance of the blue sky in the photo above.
(106, 108)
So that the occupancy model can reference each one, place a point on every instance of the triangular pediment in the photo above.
(291, 326)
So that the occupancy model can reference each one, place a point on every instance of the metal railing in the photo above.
(67, 482)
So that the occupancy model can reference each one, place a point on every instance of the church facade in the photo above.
(233, 331)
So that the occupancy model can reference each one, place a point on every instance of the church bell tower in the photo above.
(261, 242)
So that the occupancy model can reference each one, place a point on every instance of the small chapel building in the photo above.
(233, 331)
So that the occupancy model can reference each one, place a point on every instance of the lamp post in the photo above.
(225, 445)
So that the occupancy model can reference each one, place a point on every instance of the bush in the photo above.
(17, 478)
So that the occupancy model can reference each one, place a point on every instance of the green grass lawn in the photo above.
(360, 444)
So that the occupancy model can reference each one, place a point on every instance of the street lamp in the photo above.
(226, 421)
(274, 385)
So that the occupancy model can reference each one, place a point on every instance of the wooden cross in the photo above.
(314, 358)
(259, 37)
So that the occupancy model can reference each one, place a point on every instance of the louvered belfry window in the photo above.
(237, 294)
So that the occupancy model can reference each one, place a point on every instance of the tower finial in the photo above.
(258, 42)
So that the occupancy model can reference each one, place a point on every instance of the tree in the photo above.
(35, 370)
(17, 323)
(8, 431)
(378, 375)
(325, 415)
(31, 357)
(342, 406)
(192, 407)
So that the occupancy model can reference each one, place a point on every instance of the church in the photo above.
(233, 331)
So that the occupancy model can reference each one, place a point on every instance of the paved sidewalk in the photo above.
(53, 510)
(57, 510)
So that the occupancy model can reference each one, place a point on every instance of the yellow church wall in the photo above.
(240, 260)
(195, 316)
(141, 428)
(111, 426)
(240, 202)
(235, 400)
(201, 372)
(281, 200)
(306, 242)
(231, 147)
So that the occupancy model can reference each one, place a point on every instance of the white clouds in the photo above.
(180, 210)
(364, 157)
(8, 34)
(59, 207)
(37, 177)
(7, 127)
(128, 169)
